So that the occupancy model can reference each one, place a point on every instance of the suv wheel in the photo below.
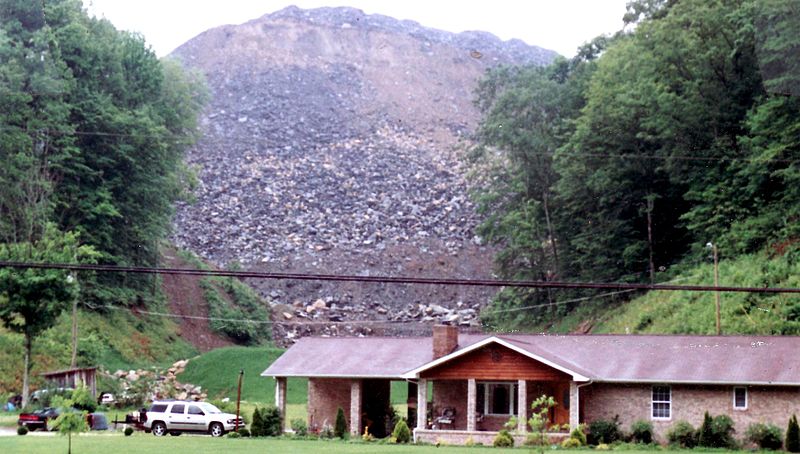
(216, 429)
(159, 429)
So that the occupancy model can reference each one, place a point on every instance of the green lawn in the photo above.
(146, 443)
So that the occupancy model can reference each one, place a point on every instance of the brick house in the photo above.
(469, 385)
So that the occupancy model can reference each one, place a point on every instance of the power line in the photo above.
(397, 280)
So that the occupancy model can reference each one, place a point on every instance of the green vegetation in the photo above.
(232, 300)
(622, 163)
(218, 371)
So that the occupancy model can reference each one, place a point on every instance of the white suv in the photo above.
(176, 417)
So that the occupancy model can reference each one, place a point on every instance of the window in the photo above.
(177, 408)
(158, 408)
(195, 410)
(740, 398)
(662, 402)
(496, 398)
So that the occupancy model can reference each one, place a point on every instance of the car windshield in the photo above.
(208, 408)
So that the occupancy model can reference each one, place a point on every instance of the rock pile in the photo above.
(155, 384)
(330, 147)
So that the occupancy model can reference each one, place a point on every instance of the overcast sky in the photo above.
(560, 25)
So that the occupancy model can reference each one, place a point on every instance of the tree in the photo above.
(32, 299)
(792, 443)
(340, 427)
(540, 418)
(70, 420)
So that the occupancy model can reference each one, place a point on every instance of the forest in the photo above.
(629, 161)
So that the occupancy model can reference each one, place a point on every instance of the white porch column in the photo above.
(422, 404)
(280, 399)
(522, 406)
(574, 406)
(355, 408)
(472, 397)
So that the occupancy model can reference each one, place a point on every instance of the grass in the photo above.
(146, 443)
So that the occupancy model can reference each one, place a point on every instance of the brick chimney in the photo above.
(445, 340)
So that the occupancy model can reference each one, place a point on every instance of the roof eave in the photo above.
(651, 381)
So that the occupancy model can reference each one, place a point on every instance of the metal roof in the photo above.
(773, 360)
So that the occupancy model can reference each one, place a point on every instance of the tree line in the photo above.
(622, 163)
(93, 128)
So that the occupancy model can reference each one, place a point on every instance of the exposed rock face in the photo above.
(329, 147)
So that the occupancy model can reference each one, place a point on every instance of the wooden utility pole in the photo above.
(238, 399)
(74, 362)
(716, 284)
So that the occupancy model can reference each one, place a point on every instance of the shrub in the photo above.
(234, 435)
(82, 399)
(604, 431)
(642, 431)
(128, 431)
(603, 447)
(22, 430)
(682, 434)
(401, 432)
(299, 427)
(271, 421)
(470, 441)
(244, 432)
(704, 435)
(326, 432)
(257, 426)
(571, 443)
(722, 432)
(579, 435)
(340, 427)
(503, 440)
(792, 443)
(766, 436)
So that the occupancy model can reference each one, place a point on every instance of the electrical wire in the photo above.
(396, 280)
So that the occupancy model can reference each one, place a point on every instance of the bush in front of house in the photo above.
(340, 427)
(792, 443)
(22, 430)
(299, 427)
(401, 432)
(716, 432)
(570, 443)
(503, 440)
(266, 422)
(682, 434)
(642, 432)
(578, 434)
(766, 436)
(257, 424)
(604, 431)
(244, 432)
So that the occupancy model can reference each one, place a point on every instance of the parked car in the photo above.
(106, 399)
(38, 419)
(176, 417)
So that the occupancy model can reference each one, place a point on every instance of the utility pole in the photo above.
(716, 284)
(74, 362)
(238, 399)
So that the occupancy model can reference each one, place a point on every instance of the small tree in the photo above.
(69, 421)
(401, 433)
(540, 419)
(257, 425)
(340, 428)
(704, 435)
(271, 421)
(792, 443)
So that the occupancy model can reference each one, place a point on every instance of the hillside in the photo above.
(682, 312)
(328, 146)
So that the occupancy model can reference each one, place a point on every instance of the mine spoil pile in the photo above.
(330, 146)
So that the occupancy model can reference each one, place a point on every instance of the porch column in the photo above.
(574, 406)
(422, 404)
(355, 408)
(280, 399)
(522, 406)
(472, 397)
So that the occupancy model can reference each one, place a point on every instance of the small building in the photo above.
(469, 385)
(72, 378)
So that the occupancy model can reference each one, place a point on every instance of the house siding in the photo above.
(325, 396)
(632, 402)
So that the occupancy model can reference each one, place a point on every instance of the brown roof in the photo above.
(68, 371)
(607, 358)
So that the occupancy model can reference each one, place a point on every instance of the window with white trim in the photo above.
(662, 402)
(496, 398)
(740, 398)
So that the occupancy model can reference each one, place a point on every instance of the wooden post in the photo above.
(716, 284)
(238, 400)
(280, 399)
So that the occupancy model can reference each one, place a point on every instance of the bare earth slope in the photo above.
(329, 148)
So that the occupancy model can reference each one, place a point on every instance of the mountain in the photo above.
(330, 146)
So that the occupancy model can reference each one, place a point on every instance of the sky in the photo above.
(560, 25)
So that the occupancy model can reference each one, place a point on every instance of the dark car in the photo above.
(38, 419)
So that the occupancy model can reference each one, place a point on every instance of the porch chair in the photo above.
(448, 416)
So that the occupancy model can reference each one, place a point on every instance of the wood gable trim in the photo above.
(421, 371)
(494, 362)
